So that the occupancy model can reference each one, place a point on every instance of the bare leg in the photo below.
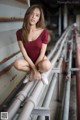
(22, 65)
(43, 67)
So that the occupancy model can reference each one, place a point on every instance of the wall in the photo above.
(9, 50)
(11, 8)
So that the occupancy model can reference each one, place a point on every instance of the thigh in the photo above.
(21, 62)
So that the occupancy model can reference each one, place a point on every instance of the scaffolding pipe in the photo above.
(67, 89)
(58, 42)
(56, 57)
(49, 94)
(32, 101)
(58, 66)
(18, 100)
(28, 2)
(77, 60)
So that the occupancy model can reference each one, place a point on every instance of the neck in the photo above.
(32, 28)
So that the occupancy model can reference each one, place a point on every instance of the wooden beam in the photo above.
(10, 19)
(22, 1)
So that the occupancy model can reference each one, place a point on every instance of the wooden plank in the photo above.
(9, 57)
(11, 19)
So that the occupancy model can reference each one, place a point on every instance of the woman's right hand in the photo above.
(37, 75)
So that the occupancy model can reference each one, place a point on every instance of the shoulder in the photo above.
(19, 34)
(19, 31)
(45, 32)
(45, 36)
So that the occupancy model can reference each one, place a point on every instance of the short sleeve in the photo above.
(45, 37)
(18, 35)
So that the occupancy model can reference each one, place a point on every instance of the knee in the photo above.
(46, 66)
(17, 64)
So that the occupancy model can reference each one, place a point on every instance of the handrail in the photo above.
(57, 44)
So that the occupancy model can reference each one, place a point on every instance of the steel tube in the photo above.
(68, 82)
(17, 101)
(78, 75)
(49, 94)
(57, 44)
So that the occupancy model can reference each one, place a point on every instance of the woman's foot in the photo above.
(26, 79)
(44, 78)
(29, 77)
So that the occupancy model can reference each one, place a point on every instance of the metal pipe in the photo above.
(59, 22)
(31, 102)
(28, 2)
(58, 43)
(75, 69)
(65, 16)
(67, 89)
(78, 75)
(50, 91)
(49, 94)
(17, 101)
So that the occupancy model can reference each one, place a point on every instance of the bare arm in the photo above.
(27, 58)
(42, 53)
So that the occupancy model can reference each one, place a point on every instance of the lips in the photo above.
(33, 20)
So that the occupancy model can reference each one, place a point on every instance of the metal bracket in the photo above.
(75, 69)
(56, 70)
(42, 111)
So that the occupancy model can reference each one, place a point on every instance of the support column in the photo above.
(28, 2)
(65, 17)
(59, 21)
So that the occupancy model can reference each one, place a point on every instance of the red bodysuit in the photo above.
(33, 48)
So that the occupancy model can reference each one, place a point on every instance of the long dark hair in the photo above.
(26, 25)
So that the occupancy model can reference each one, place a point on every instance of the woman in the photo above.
(32, 39)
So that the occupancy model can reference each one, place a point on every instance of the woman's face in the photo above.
(34, 17)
